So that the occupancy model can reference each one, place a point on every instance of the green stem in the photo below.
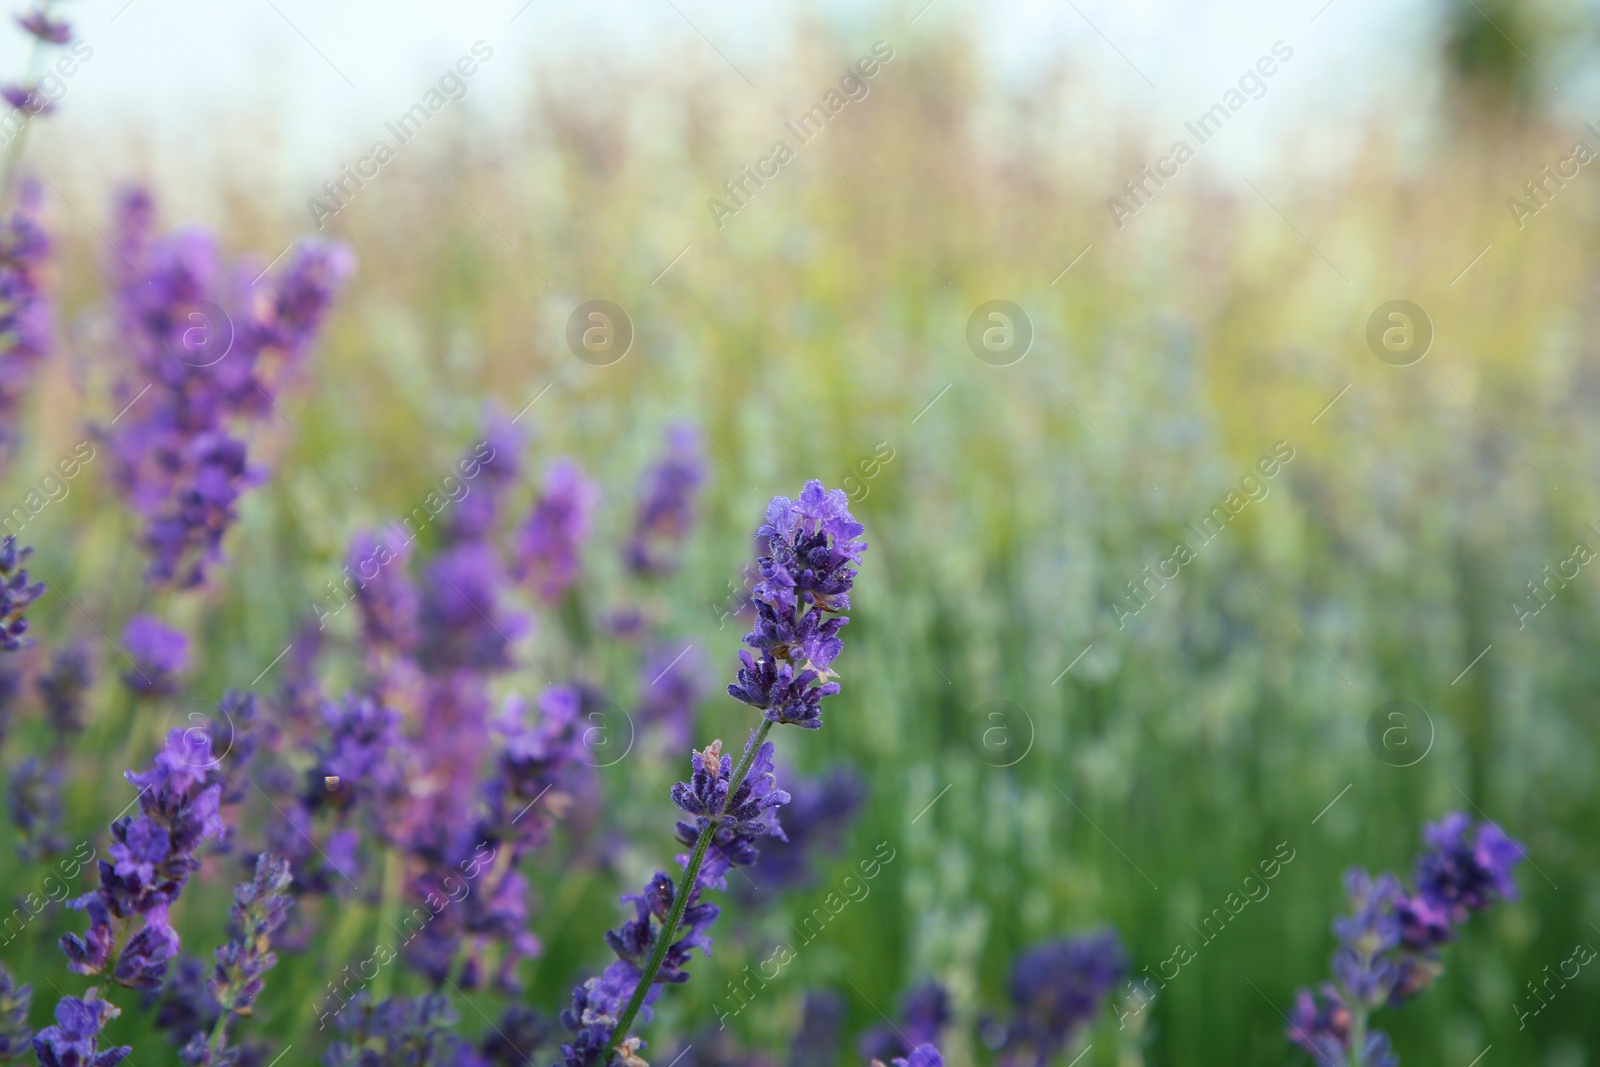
(219, 1032)
(680, 900)
(1358, 1035)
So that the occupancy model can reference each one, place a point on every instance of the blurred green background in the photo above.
(829, 316)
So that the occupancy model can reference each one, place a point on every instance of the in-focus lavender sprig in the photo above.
(153, 854)
(805, 582)
(807, 571)
(1389, 943)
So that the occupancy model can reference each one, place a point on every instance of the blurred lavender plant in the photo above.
(1389, 943)
(550, 551)
(1056, 989)
(812, 546)
(671, 686)
(260, 907)
(26, 334)
(16, 593)
(15, 1037)
(819, 813)
(816, 1042)
(159, 654)
(924, 1012)
(665, 515)
(63, 688)
(211, 350)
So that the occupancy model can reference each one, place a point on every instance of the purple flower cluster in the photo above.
(1389, 943)
(153, 854)
(1057, 988)
(64, 686)
(666, 506)
(15, 1037)
(550, 551)
(211, 350)
(25, 312)
(16, 593)
(159, 654)
(33, 800)
(75, 1038)
(806, 577)
(736, 816)
(921, 1056)
(260, 908)
(924, 1012)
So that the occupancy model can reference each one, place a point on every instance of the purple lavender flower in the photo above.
(521, 1034)
(16, 593)
(463, 626)
(27, 98)
(159, 653)
(738, 819)
(1057, 988)
(806, 578)
(26, 333)
(152, 856)
(1388, 944)
(818, 814)
(183, 1007)
(921, 1056)
(33, 798)
(63, 687)
(42, 25)
(397, 1033)
(549, 554)
(1466, 870)
(816, 1042)
(671, 686)
(666, 506)
(492, 468)
(74, 1040)
(210, 348)
(384, 594)
(15, 1037)
(260, 908)
(924, 1012)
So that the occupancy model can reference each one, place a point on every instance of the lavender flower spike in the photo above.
(666, 506)
(260, 908)
(73, 1041)
(15, 1037)
(811, 546)
(549, 554)
(159, 653)
(16, 593)
(1388, 944)
(806, 579)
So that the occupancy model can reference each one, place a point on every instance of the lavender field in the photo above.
(925, 536)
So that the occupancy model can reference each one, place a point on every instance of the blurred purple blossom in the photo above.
(26, 333)
(16, 593)
(1057, 988)
(666, 510)
(549, 552)
(159, 654)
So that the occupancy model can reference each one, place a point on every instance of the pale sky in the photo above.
(333, 71)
